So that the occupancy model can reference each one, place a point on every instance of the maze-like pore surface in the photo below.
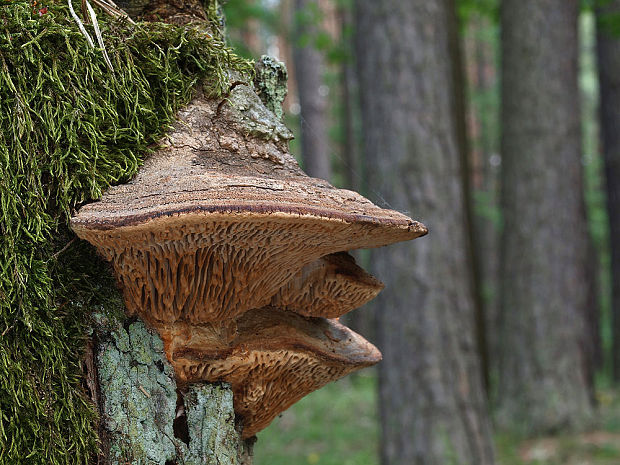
(328, 287)
(275, 359)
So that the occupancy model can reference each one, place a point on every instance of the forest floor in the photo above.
(338, 425)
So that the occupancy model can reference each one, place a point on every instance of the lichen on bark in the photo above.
(138, 396)
(211, 425)
(139, 405)
(270, 83)
(253, 116)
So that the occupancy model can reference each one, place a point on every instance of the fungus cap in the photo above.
(328, 287)
(273, 359)
(216, 222)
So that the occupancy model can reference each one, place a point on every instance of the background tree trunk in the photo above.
(471, 240)
(481, 63)
(309, 69)
(432, 402)
(608, 44)
(543, 383)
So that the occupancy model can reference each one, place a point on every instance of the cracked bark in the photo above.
(144, 418)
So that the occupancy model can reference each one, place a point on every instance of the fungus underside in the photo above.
(69, 128)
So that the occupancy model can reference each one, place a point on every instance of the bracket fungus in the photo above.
(236, 257)
(328, 287)
(272, 358)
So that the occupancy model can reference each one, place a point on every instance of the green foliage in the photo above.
(336, 425)
(469, 8)
(68, 129)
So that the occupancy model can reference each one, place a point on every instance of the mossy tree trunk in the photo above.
(145, 418)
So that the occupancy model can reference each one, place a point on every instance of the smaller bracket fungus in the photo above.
(274, 359)
(328, 287)
(237, 258)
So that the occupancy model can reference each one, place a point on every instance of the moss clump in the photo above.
(68, 129)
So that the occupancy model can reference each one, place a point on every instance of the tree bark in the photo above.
(348, 77)
(483, 113)
(309, 69)
(431, 396)
(465, 153)
(608, 44)
(543, 381)
(145, 417)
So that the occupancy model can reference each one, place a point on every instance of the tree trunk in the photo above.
(145, 417)
(471, 240)
(484, 174)
(309, 69)
(432, 400)
(608, 44)
(350, 144)
(543, 382)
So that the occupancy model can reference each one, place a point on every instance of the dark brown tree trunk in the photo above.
(543, 384)
(432, 400)
(309, 70)
(460, 123)
(608, 43)
(483, 172)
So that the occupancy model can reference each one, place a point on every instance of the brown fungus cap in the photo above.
(328, 287)
(274, 359)
(221, 217)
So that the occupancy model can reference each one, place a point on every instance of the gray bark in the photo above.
(432, 400)
(309, 69)
(543, 380)
(471, 241)
(144, 417)
(484, 176)
(608, 43)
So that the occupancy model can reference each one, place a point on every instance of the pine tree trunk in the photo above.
(543, 383)
(145, 418)
(309, 69)
(609, 77)
(484, 174)
(350, 145)
(432, 400)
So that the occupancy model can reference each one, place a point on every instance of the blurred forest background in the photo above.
(497, 125)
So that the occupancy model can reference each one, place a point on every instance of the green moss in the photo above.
(68, 129)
